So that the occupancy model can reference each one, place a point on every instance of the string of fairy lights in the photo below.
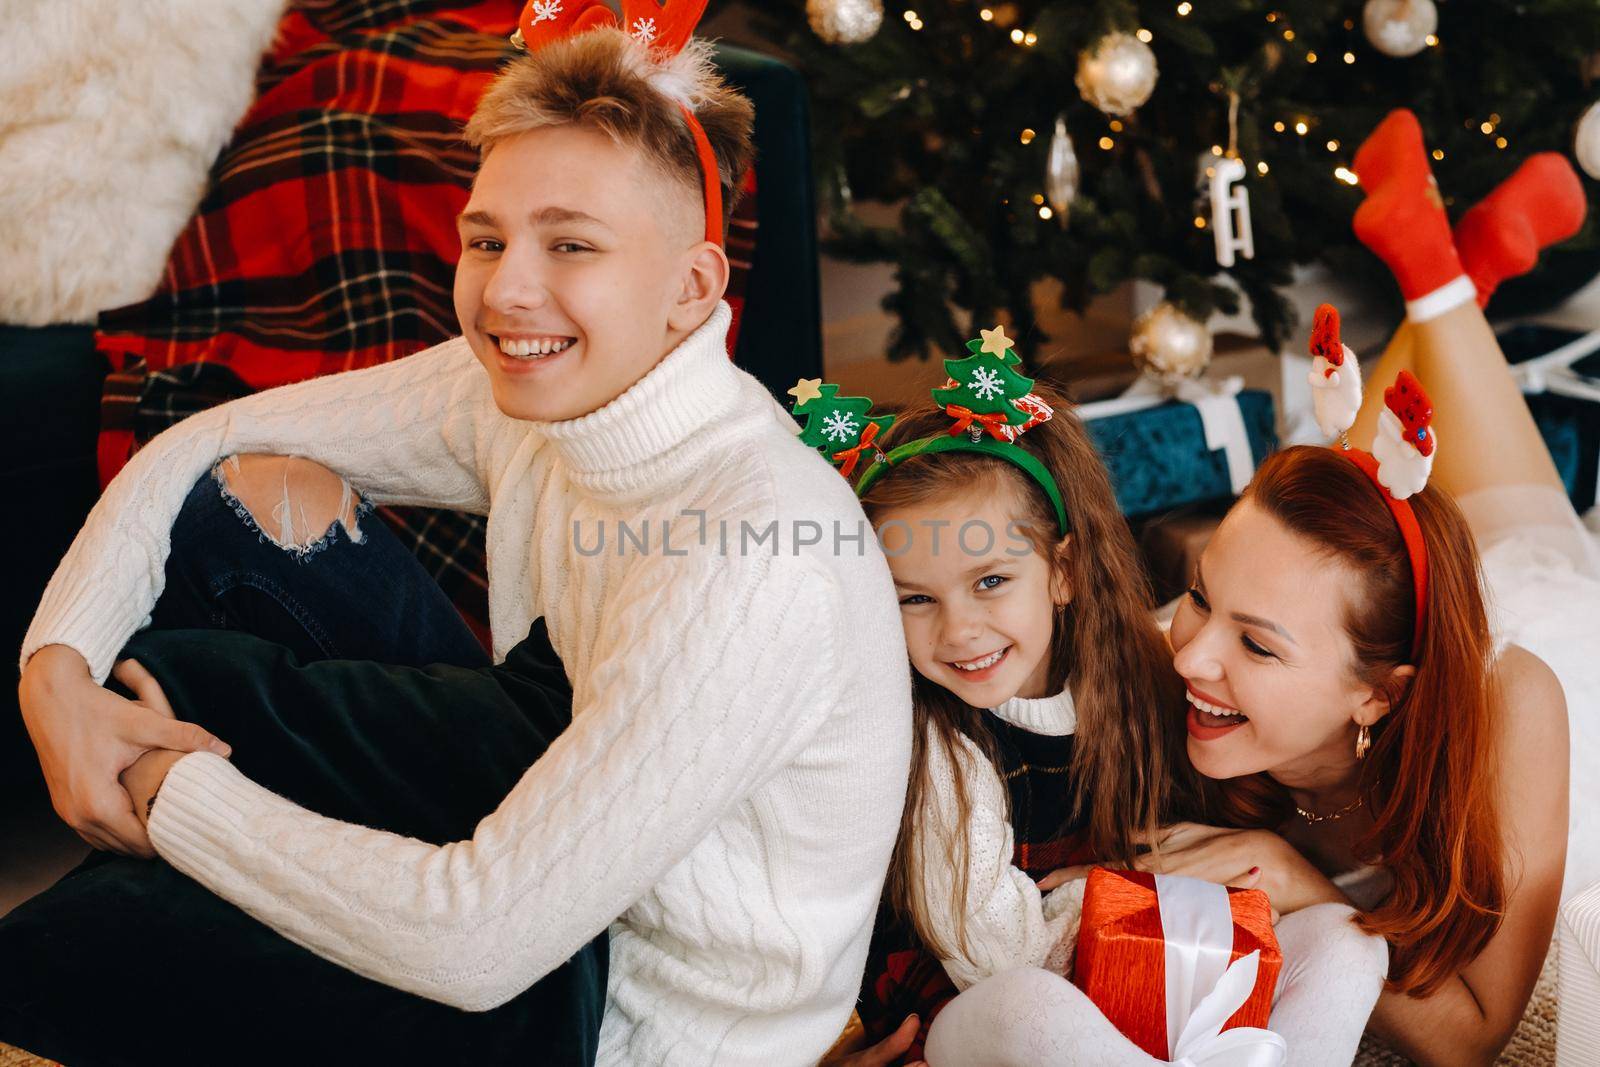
(1297, 125)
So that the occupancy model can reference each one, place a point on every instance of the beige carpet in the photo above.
(1533, 1045)
(15, 1057)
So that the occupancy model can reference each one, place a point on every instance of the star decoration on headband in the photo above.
(838, 426)
(995, 342)
(806, 390)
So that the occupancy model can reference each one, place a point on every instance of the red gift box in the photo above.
(1124, 949)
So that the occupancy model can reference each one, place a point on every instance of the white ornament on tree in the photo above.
(1230, 212)
(1118, 74)
(1170, 345)
(1399, 28)
(1586, 147)
(1061, 171)
(844, 21)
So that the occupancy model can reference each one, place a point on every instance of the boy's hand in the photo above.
(86, 736)
(143, 779)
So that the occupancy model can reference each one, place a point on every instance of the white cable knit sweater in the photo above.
(1009, 922)
(728, 794)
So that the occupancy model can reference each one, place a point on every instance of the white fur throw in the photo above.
(111, 114)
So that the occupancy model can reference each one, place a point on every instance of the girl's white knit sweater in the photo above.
(728, 794)
(1009, 923)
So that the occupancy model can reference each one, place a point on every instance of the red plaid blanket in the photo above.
(326, 240)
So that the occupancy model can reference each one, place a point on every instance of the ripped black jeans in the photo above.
(127, 961)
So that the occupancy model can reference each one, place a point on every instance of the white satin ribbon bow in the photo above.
(1203, 989)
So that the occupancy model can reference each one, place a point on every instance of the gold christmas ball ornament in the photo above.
(1170, 345)
(1587, 145)
(1399, 28)
(844, 21)
(1117, 74)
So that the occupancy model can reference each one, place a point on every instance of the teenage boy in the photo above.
(728, 792)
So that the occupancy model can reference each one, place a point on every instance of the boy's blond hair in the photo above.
(606, 80)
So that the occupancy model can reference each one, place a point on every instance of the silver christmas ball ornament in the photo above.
(1399, 28)
(1169, 344)
(844, 21)
(1118, 74)
(1587, 145)
(1061, 171)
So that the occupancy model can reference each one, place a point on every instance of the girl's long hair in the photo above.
(1106, 649)
(1429, 779)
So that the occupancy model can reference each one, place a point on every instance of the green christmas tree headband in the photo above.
(991, 405)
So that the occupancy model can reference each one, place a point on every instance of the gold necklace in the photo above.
(1313, 817)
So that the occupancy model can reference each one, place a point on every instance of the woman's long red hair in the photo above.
(1430, 779)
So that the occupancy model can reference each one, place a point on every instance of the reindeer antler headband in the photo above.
(662, 26)
(1402, 452)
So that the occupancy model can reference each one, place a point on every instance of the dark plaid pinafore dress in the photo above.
(902, 977)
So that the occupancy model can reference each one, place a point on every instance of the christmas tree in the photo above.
(984, 387)
(838, 426)
(949, 110)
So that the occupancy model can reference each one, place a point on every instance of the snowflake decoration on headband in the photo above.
(545, 11)
(832, 425)
(644, 30)
(838, 426)
(985, 383)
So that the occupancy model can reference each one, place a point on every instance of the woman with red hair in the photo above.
(1369, 734)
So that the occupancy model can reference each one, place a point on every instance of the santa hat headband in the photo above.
(1402, 452)
(990, 405)
(664, 28)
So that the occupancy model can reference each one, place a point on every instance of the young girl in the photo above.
(1424, 772)
(1045, 713)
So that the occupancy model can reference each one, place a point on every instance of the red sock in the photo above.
(1502, 235)
(1403, 219)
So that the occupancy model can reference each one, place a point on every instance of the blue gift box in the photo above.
(1158, 457)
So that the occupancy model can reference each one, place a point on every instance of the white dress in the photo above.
(1541, 568)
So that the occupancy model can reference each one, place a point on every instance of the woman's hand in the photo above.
(1244, 859)
(1062, 875)
(886, 1052)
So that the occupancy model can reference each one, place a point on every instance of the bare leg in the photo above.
(1487, 436)
(1492, 459)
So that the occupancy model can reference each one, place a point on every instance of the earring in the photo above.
(1363, 742)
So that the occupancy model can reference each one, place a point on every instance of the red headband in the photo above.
(1410, 532)
(663, 26)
